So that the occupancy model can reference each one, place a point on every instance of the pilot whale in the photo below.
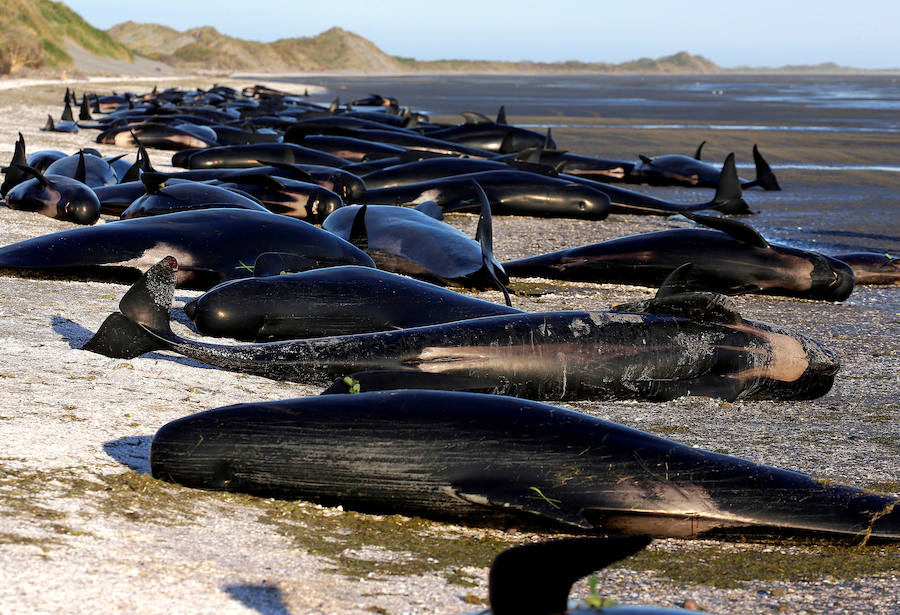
(693, 344)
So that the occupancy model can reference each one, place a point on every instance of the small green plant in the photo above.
(594, 599)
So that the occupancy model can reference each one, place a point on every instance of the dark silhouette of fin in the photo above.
(549, 143)
(765, 178)
(729, 198)
(153, 182)
(84, 113)
(121, 338)
(80, 171)
(740, 231)
(506, 146)
(149, 300)
(49, 125)
(430, 209)
(141, 163)
(67, 113)
(645, 159)
(358, 235)
(698, 306)
(501, 115)
(699, 150)
(676, 283)
(484, 235)
(146, 305)
(549, 569)
(13, 175)
(473, 117)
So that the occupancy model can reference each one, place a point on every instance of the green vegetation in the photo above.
(34, 34)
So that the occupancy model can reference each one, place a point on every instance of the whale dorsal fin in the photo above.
(506, 146)
(358, 235)
(473, 117)
(696, 306)
(67, 113)
(548, 140)
(485, 237)
(430, 209)
(84, 112)
(549, 569)
(742, 232)
(645, 159)
(49, 125)
(501, 115)
(153, 182)
(676, 283)
(729, 198)
(335, 104)
(80, 171)
(699, 150)
(764, 175)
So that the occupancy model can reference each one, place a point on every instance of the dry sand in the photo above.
(84, 530)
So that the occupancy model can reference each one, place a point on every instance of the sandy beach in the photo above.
(84, 528)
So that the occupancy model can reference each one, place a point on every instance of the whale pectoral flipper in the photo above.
(391, 380)
(530, 500)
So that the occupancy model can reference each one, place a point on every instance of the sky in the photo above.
(861, 33)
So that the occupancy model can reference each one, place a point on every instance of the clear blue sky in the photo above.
(861, 33)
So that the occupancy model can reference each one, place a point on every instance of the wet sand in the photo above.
(84, 529)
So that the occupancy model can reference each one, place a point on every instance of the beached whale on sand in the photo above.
(414, 241)
(331, 301)
(726, 257)
(676, 169)
(641, 351)
(56, 196)
(509, 192)
(215, 245)
(487, 459)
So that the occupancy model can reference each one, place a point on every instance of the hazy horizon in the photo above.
(773, 34)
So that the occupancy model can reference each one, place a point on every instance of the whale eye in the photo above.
(582, 205)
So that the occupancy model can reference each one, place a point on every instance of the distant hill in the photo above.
(37, 33)
(339, 50)
(207, 48)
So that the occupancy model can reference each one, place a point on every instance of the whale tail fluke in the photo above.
(548, 569)
(729, 198)
(765, 178)
(144, 307)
